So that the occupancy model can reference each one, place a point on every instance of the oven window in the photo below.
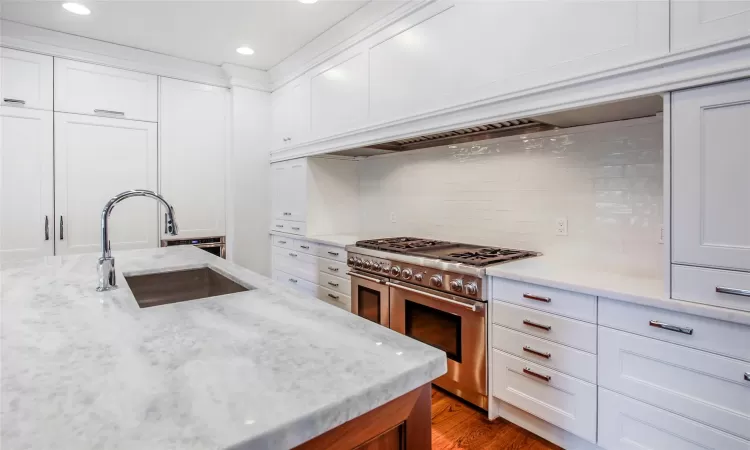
(434, 327)
(213, 250)
(368, 304)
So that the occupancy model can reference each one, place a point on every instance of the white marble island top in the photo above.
(265, 369)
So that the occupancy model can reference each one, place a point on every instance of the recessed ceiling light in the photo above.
(245, 50)
(77, 8)
(308, 2)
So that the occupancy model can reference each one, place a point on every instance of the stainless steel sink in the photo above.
(181, 285)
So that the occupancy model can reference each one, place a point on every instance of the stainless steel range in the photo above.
(432, 291)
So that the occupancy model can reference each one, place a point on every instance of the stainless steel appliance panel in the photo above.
(370, 297)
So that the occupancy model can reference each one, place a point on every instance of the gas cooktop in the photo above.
(473, 255)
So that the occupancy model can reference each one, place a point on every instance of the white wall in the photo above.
(605, 179)
(249, 180)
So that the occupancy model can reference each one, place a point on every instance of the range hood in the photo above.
(606, 112)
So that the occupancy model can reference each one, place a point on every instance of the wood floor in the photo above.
(458, 425)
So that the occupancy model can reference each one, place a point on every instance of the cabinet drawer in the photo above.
(627, 424)
(331, 267)
(702, 386)
(717, 336)
(549, 354)
(283, 242)
(574, 333)
(295, 282)
(332, 252)
(100, 90)
(296, 263)
(289, 227)
(340, 285)
(26, 79)
(306, 246)
(557, 301)
(336, 298)
(559, 399)
(700, 285)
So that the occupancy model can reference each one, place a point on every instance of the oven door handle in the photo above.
(473, 308)
(364, 277)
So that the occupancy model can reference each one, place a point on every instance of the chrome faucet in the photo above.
(107, 279)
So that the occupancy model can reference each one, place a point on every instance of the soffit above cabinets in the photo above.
(202, 31)
(607, 112)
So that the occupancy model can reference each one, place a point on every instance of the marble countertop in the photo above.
(269, 368)
(641, 289)
(338, 240)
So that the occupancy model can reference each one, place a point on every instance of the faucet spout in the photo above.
(107, 279)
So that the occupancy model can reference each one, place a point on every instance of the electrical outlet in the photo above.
(561, 226)
(661, 234)
(393, 217)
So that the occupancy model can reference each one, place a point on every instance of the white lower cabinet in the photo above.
(628, 424)
(561, 400)
(26, 190)
(97, 158)
(296, 264)
(709, 388)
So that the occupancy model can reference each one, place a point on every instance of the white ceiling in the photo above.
(206, 31)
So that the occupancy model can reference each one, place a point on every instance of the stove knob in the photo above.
(367, 264)
(395, 271)
(351, 260)
(436, 280)
(386, 268)
(375, 266)
(406, 273)
(457, 285)
(358, 262)
(471, 288)
(418, 276)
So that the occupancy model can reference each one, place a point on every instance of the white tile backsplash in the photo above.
(605, 179)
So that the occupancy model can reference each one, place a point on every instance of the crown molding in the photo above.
(246, 77)
(54, 43)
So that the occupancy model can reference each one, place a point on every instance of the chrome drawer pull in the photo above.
(295, 228)
(111, 113)
(333, 253)
(282, 242)
(528, 371)
(733, 291)
(335, 297)
(537, 325)
(666, 326)
(292, 254)
(279, 226)
(333, 269)
(14, 101)
(331, 283)
(287, 214)
(306, 247)
(536, 352)
(537, 298)
(292, 280)
(747, 376)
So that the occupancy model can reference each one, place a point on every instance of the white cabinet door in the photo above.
(25, 79)
(339, 96)
(290, 108)
(96, 158)
(700, 22)
(99, 90)
(279, 185)
(26, 199)
(627, 424)
(193, 151)
(289, 190)
(710, 186)
(476, 50)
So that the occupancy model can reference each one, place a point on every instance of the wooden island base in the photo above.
(401, 424)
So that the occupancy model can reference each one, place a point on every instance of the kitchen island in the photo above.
(266, 368)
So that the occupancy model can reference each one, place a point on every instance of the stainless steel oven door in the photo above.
(370, 297)
(453, 324)
(219, 250)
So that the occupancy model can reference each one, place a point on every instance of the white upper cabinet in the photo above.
(26, 191)
(339, 96)
(710, 186)
(97, 158)
(193, 152)
(25, 79)
(476, 50)
(290, 107)
(100, 90)
(289, 190)
(702, 22)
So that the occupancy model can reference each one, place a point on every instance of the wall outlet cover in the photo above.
(561, 226)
